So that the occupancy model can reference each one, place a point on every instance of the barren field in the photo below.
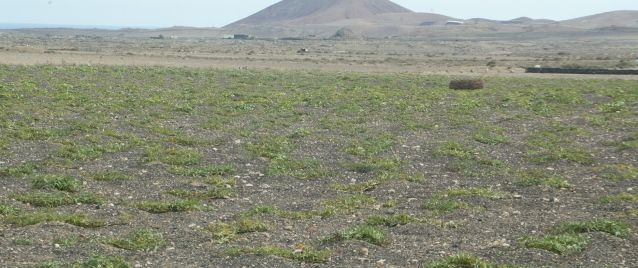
(493, 54)
(192, 167)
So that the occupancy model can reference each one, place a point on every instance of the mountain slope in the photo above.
(622, 18)
(319, 11)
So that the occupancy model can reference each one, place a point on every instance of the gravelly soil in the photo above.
(319, 153)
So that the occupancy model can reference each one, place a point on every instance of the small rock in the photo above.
(517, 196)
(56, 245)
(248, 185)
(137, 265)
(554, 199)
(364, 252)
(288, 227)
(381, 262)
(237, 141)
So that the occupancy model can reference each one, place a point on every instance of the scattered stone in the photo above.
(288, 227)
(364, 252)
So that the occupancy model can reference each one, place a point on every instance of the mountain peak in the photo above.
(320, 11)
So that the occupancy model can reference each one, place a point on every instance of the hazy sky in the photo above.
(203, 13)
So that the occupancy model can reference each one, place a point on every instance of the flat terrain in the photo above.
(447, 52)
(187, 167)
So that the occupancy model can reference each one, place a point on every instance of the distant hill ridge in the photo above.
(320, 11)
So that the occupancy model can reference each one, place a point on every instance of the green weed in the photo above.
(350, 203)
(622, 197)
(20, 170)
(100, 261)
(539, 177)
(139, 240)
(371, 146)
(81, 220)
(226, 232)
(271, 147)
(464, 261)
(367, 233)
(159, 207)
(56, 199)
(59, 182)
(174, 156)
(618, 172)
(615, 228)
(7, 210)
(302, 253)
(560, 244)
(207, 171)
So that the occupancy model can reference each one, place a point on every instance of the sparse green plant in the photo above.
(561, 153)
(139, 240)
(618, 172)
(539, 177)
(207, 171)
(245, 225)
(20, 170)
(444, 205)
(560, 244)
(222, 232)
(50, 264)
(464, 261)
(56, 199)
(367, 233)
(175, 156)
(226, 232)
(350, 203)
(490, 137)
(622, 197)
(612, 227)
(22, 242)
(357, 187)
(101, 261)
(375, 165)
(271, 147)
(7, 210)
(159, 207)
(59, 182)
(302, 253)
(371, 146)
(81, 220)
(454, 149)
(220, 181)
(110, 176)
(304, 169)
